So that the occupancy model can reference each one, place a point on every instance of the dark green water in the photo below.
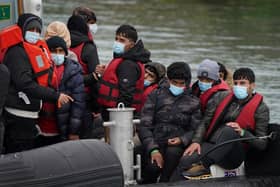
(237, 33)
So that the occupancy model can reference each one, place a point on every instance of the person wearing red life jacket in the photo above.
(63, 123)
(209, 87)
(30, 68)
(241, 113)
(123, 79)
(154, 73)
(85, 49)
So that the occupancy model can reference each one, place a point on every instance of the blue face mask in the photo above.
(147, 83)
(118, 48)
(240, 92)
(32, 37)
(204, 86)
(58, 59)
(175, 90)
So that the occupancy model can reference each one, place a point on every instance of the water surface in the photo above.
(237, 33)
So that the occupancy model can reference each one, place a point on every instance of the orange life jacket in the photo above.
(245, 119)
(38, 54)
(205, 96)
(109, 86)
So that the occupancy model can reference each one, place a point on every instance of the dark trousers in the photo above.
(229, 156)
(151, 172)
(20, 133)
(92, 127)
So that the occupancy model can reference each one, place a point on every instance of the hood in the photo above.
(137, 53)
(77, 38)
(24, 20)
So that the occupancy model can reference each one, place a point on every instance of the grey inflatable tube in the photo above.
(71, 163)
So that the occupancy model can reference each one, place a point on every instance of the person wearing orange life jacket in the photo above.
(242, 113)
(154, 73)
(27, 87)
(209, 87)
(123, 79)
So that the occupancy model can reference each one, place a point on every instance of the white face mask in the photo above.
(93, 28)
(58, 59)
(32, 37)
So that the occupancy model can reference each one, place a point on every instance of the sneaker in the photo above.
(197, 171)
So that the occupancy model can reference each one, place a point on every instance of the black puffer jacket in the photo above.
(69, 116)
(165, 116)
(129, 72)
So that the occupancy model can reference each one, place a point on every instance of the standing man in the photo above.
(123, 79)
(242, 113)
(168, 119)
(29, 64)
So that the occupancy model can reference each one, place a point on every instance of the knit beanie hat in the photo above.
(77, 23)
(209, 69)
(55, 42)
(29, 21)
(127, 31)
(179, 70)
(58, 28)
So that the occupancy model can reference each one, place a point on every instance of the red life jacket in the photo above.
(78, 51)
(205, 96)
(147, 91)
(39, 56)
(109, 86)
(245, 119)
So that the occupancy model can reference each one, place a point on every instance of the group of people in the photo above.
(55, 89)
(182, 123)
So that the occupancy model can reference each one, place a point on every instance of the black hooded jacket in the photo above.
(22, 76)
(79, 34)
(129, 72)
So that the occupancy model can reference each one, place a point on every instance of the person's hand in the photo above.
(157, 158)
(73, 137)
(194, 147)
(235, 126)
(174, 141)
(96, 115)
(100, 68)
(63, 99)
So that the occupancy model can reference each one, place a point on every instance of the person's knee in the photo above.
(229, 133)
(174, 151)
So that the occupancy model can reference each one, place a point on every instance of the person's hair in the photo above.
(223, 70)
(76, 23)
(86, 13)
(244, 73)
(127, 31)
(179, 70)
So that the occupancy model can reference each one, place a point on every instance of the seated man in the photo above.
(168, 120)
(209, 87)
(154, 73)
(241, 114)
